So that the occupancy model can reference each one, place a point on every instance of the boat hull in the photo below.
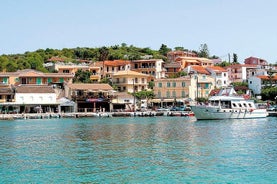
(213, 113)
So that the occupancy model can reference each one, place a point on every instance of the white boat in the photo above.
(228, 105)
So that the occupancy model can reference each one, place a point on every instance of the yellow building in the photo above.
(171, 89)
(130, 81)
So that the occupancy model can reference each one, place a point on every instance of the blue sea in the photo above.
(138, 150)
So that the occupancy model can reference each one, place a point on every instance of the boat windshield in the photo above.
(214, 103)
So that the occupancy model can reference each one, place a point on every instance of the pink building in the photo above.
(256, 61)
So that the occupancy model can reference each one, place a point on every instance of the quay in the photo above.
(91, 114)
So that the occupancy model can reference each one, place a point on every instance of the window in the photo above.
(183, 94)
(159, 94)
(168, 84)
(183, 84)
(173, 93)
(160, 84)
(143, 80)
(49, 80)
(174, 84)
(168, 94)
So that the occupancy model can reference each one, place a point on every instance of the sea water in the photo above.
(138, 150)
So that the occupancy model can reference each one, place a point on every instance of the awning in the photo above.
(155, 100)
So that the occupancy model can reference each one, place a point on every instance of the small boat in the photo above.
(228, 105)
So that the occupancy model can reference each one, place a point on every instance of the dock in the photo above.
(87, 114)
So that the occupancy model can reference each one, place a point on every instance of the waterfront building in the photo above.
(201, 85)
(90, 97)
(202, 82)
(35, 99)
(130, 81)
(7, 93)
(123, 101)
(170, 90)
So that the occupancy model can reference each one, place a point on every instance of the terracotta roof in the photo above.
(34, 89)
(264, 77)
(116, 63)
(94, 87)
(200, 69)
(217, 69)
(130, 73)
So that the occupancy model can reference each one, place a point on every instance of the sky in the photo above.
(244, 27)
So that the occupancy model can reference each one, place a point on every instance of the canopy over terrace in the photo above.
(91, 97)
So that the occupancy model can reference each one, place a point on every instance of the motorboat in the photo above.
(227, 104)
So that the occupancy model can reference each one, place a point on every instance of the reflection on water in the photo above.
(138, 150)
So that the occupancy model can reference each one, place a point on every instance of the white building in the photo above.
(36, 98)
(220, 76)
(255, 84)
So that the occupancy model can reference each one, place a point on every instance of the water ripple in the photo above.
(138, 150)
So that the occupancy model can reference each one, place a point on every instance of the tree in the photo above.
(203, 51)
(179, 48)
(103, 53)
(269, 93)
(151, 85)
(106, 81)
(164, 50)
(82, 77)
(223, 64)
(145, 95)
(235, 58)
